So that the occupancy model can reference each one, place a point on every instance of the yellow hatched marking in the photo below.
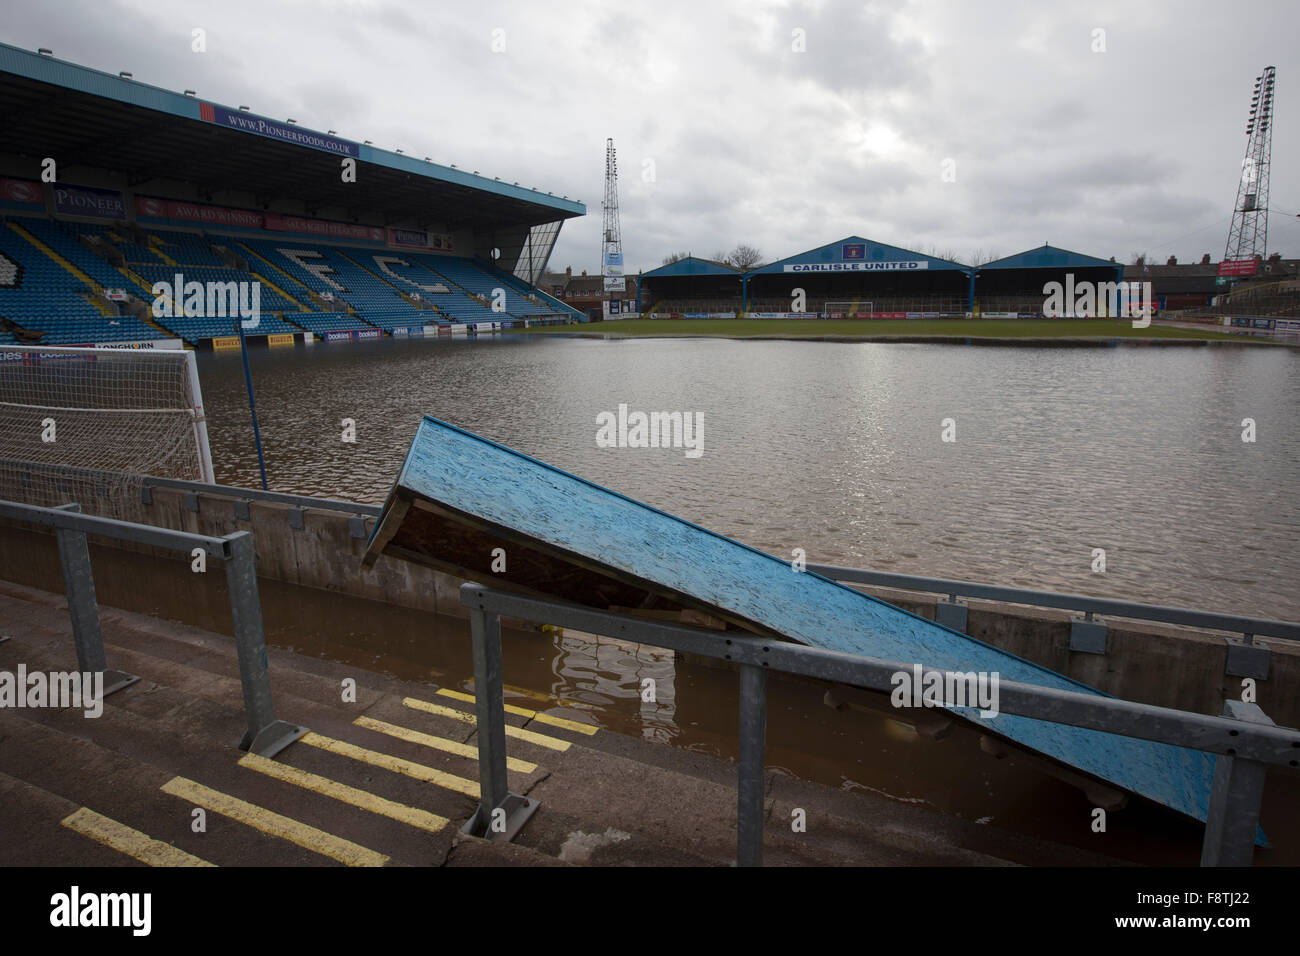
(525, 692)
(309, 838)
(341, 791)
(124, 839)
(396, 764)
(541, 740)
(564, 722)
(437, 743)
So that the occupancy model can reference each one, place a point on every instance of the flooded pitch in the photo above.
(945, 461)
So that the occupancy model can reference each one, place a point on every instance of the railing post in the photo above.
(1232, 819)
(265, 735)
(753, 757)
(489, 707)
(500, 814)
(83, 607)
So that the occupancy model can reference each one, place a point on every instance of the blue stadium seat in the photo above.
(376, 288)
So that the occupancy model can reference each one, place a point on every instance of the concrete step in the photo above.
(32, 832)
(393, 771)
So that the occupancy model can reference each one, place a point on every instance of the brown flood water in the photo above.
(835, 448)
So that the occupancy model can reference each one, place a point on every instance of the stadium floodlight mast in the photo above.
(611, 259)
(1248, 234)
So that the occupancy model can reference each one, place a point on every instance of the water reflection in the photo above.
(836, 448)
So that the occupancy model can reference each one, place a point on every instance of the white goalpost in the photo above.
(851, 309)
(87, 424)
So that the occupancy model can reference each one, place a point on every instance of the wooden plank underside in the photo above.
(463, 545)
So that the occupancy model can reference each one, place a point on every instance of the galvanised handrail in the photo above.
(1072, 602)
(265, 735)
(1214, 620)
(1245, 740)
(256, 494)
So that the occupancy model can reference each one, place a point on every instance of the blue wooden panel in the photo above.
(478, 477)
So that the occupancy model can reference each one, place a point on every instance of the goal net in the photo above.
(86, 425)
(852, 309)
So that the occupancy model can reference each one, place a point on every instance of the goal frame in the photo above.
(851, 308)
(199, 424)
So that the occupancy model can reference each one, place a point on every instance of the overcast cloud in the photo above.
(726, 133)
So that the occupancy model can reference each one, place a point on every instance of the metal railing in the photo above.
(257, 494)
(1246, 742)
(1245, 625)
(265, 735)
(1249, 626)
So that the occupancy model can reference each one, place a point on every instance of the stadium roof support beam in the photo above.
(79, 158)
(12, 120)
(55, 107)
(170, 163)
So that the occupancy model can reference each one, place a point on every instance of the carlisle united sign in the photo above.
(856, 266)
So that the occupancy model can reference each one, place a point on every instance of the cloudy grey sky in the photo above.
(727, 133)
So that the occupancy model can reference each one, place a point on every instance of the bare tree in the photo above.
(1137, 258)
(979, 256)
(675, 257)
(744, 258)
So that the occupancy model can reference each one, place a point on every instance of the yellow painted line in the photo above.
(396, 764)
(541, 740)
(124, 839)
(318, 841)
(341, 791)
(518, 691)
(564, 722)
(515, 690)
(437, 743)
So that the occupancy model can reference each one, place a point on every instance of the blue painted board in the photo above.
(495, 484)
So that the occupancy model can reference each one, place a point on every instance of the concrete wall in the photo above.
(321, 554)
(1161, 664)
(1151, 663)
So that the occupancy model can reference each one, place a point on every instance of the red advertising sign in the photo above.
(322, 227)
(1238, 267)
(21, 190)
(196, 212)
